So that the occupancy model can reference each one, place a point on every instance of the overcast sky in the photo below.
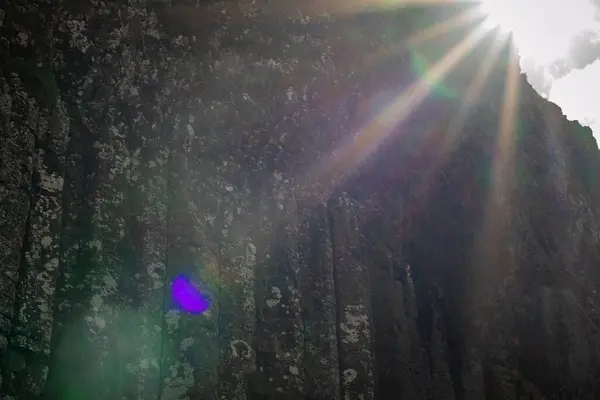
(559, 42)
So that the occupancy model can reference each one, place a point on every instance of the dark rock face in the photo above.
(444, 249)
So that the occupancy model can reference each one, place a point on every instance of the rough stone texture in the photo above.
(280, 342)
(32, 330)
(354, 316)
(17, 170)
(321, 358)
(241, 144)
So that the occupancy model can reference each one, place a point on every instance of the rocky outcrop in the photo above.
(379, 207)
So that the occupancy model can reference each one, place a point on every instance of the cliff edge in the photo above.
(378, 203)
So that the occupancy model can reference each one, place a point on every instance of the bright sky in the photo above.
(544, 32)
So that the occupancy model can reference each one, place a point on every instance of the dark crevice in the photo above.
(78, 143)
(331, 224)
(454, 346)
(7, 360)
(489, 384)
(170, 171)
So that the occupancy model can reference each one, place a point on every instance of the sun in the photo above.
(497, 15)
(543, 30)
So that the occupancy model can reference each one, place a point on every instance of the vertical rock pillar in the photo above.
(354, 303)
(237, 302)
(280, 343)
(321, 357)
(16, 169)
(32, 331)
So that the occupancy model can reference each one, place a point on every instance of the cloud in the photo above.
(577, 95)
(584, 50)
(596, 4)
(537, 76)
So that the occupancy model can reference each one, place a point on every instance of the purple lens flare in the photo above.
(188, 296)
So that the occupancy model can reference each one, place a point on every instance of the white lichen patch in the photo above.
(190, 130)
(95, 244)
(110, 284)
(46, 241)
(291, 94)
(241, 349)
(147, 363)
(95, 323)
(116, 37)
(23, 38)
(96, 302)
(228, 216)
(244, 278)
(295, 297)
(99, 322)
(355, 325)
(186, 344)
(52, 183)
(172, 319)
(44, 309)
(179, 382)
(275, 297)
(294, 370)
(348, 376)
(153, 32)
(180, 41)
(156, 271)
(78, 39)
(46, 277)
(251, 249)
(144, 365)
(188, 140)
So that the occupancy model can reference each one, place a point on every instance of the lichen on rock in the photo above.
(218, 141)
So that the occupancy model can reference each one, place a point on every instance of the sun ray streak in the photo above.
(443, 27)
(341, 7)
(356, 149)
(429, 33)
(451, 136)
(492, 244)
(473, 92)
(503, 164)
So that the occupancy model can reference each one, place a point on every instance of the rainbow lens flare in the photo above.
(188, 296)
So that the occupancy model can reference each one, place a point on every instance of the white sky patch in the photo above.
(543, 31)
(578, 94)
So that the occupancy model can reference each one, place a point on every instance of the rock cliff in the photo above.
(378, 202)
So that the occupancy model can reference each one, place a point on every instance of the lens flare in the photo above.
(189, 297)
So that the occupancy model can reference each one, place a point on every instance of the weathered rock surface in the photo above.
(380, 209)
